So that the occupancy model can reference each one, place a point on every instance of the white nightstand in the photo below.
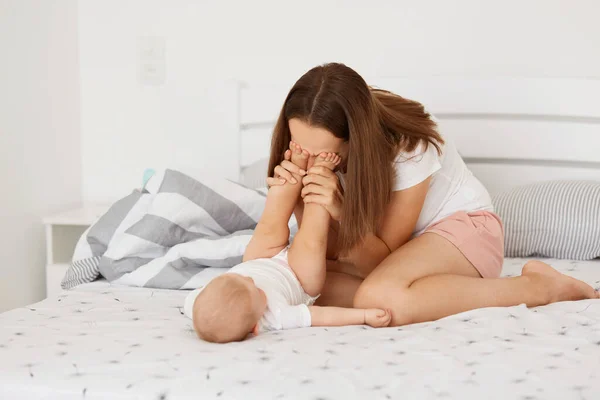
(62, 232)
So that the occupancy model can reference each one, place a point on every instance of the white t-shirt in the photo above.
(452, 187)
(287, 302)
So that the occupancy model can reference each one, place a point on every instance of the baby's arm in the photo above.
(272, 232)
(338, 316)
(302, 316)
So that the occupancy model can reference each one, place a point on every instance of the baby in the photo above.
(277, 284)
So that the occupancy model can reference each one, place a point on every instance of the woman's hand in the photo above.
(283, 172)
(322, 186)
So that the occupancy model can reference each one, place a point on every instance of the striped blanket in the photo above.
(175, 233)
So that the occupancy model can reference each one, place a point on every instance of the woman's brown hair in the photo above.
(375, 123)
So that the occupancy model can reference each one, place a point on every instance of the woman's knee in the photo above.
(376, 294)
(366, 297)
(384, 295)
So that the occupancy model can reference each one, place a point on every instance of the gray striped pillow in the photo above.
(254, 175)
(80, 272)
(558, 219)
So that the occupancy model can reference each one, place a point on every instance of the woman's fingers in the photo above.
(316, 199)
(318, 170)
(327, 201)
(330, 182)
(290, 166)
(315, 189)
(275, 181)
(284, 174)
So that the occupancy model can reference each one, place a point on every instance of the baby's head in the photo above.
(228, 309)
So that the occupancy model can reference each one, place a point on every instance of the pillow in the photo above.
(254, 175)
(558, 219)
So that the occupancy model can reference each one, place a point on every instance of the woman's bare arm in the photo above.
(395, 230)
(366, 256)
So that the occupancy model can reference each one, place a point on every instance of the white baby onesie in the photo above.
(287, 302)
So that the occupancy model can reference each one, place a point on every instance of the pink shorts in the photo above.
(479, 236)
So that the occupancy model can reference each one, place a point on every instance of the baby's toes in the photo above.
(325, 160)
(336, 159)
(294, 147)
(299, 156)
(304, 155)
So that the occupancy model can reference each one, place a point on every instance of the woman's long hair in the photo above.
(375, 123)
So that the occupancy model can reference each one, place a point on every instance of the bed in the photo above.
(101, 341)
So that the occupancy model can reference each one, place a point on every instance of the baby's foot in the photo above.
(327, 160)
(377, 318)
(299, 156)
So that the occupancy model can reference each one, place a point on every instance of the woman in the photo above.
(411, 228)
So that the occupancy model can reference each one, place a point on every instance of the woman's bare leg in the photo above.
(429, 278)
(339, 289)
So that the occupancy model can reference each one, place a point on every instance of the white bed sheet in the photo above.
(105, 342)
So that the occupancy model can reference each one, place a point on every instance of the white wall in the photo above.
(40, 157)
(126, 125)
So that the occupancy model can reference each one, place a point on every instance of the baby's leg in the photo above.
(308, 253)
(272, 232)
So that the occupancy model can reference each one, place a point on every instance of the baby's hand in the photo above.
(378, 318)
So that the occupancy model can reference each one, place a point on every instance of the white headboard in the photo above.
(509, 131)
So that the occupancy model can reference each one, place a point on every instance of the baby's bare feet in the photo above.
(299, 156)
(377, 318)
(556, 286)
(327, 160)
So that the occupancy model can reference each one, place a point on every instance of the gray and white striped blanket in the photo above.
(175, 233)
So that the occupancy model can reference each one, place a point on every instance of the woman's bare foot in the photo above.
(377, 318)
(327, 160)
(555, 286)
(299, 156)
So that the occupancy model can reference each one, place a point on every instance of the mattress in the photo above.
(106, 342)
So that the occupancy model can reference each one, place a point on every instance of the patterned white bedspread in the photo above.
(106, 342)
